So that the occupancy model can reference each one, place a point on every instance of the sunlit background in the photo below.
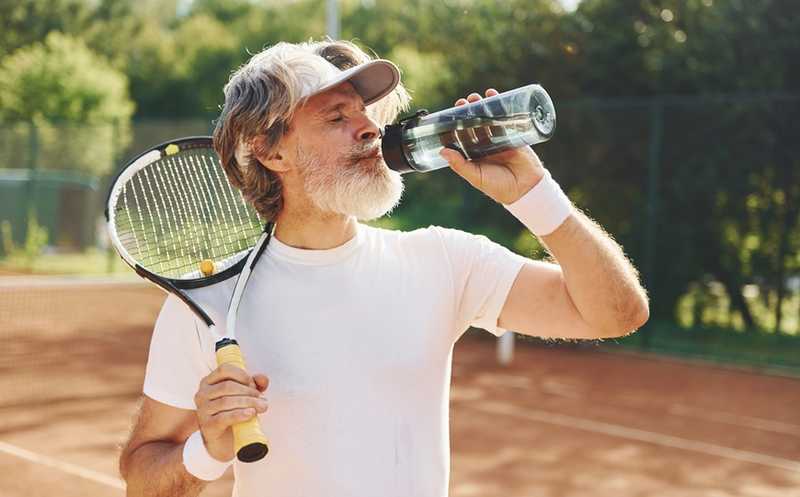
(677, 131)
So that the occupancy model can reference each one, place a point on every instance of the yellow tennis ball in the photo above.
(207, 267)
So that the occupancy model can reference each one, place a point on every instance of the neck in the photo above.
(312, 229)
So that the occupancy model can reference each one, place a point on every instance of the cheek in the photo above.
(335, 148)
(329, 146)
(311, 149)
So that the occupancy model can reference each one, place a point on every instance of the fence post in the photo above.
(505, 348)
(653, 172)
(32, 165)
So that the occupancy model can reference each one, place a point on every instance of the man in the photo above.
(353, 327)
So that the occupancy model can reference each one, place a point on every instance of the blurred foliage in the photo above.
(713, 209)
(35, 241)
(61, 79)
(771, 352)
(66, 92)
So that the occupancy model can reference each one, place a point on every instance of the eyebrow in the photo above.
(335, 107)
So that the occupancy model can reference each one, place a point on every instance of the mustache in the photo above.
(359, 152)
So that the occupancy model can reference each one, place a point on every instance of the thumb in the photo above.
(464, 168)
(262, 382)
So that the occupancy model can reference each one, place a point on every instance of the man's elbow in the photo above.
(123, 463)
(639, 320)
(629, 322)
(126, 462)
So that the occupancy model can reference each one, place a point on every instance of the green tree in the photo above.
(71, 95)
(23, 22)
(729, 160)
(179, 71)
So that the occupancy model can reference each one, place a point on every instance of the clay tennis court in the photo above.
(556, 422)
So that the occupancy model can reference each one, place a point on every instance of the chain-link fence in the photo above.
(54, 177)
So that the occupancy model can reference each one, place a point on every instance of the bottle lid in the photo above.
(392, 149)
(392, 143)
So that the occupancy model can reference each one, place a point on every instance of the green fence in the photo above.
(58, 174)
(62, 202)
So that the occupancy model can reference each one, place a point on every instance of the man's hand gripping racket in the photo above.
(174, 218)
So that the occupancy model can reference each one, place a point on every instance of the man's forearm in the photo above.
(602, 283)
(156, 469)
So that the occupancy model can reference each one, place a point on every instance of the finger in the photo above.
(224, 420)
(464, 168)
(235, 402)
(228, 388)
(461, 101)
(262, 382)
(491, 92)
(229, 372)
(473, 97)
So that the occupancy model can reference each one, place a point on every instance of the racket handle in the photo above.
(249, 441)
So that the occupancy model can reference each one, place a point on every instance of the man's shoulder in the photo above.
(427, 239)
(213, 299)
(431, 233)
(431, 230)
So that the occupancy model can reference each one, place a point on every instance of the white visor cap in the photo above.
(372, 80)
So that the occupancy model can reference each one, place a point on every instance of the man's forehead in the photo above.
(340, 94)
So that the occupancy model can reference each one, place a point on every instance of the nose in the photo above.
(368, 131)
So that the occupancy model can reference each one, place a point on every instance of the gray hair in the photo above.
(261, 98)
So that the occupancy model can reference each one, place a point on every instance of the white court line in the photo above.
(736, 419)
(639, 435)
(569, 391)
(62, 466)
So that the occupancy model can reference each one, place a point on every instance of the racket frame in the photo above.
(250, 443)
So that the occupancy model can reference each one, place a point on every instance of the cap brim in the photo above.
(372, 80)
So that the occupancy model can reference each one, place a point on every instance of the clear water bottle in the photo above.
(516, 118)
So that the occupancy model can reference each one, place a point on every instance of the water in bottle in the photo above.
(516, 118)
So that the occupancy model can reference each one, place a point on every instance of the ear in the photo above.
(275, 160)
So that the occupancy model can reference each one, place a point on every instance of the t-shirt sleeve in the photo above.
(483, 273)
(178, 357)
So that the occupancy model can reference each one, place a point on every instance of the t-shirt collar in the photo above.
(315, 257)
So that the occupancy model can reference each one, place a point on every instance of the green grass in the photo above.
(752, 348)
(89, 263)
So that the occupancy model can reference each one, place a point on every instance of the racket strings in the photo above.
(179, 211)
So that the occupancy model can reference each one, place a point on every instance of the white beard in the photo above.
(353, 185)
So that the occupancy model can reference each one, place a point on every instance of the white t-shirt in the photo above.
(357, 343)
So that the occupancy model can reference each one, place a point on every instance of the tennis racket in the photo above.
(174, 218)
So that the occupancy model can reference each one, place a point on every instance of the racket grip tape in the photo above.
(249, 441)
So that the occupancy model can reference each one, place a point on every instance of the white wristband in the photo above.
(198, 462)
(544, 208)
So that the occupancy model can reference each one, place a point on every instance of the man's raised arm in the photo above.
(593, 291)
